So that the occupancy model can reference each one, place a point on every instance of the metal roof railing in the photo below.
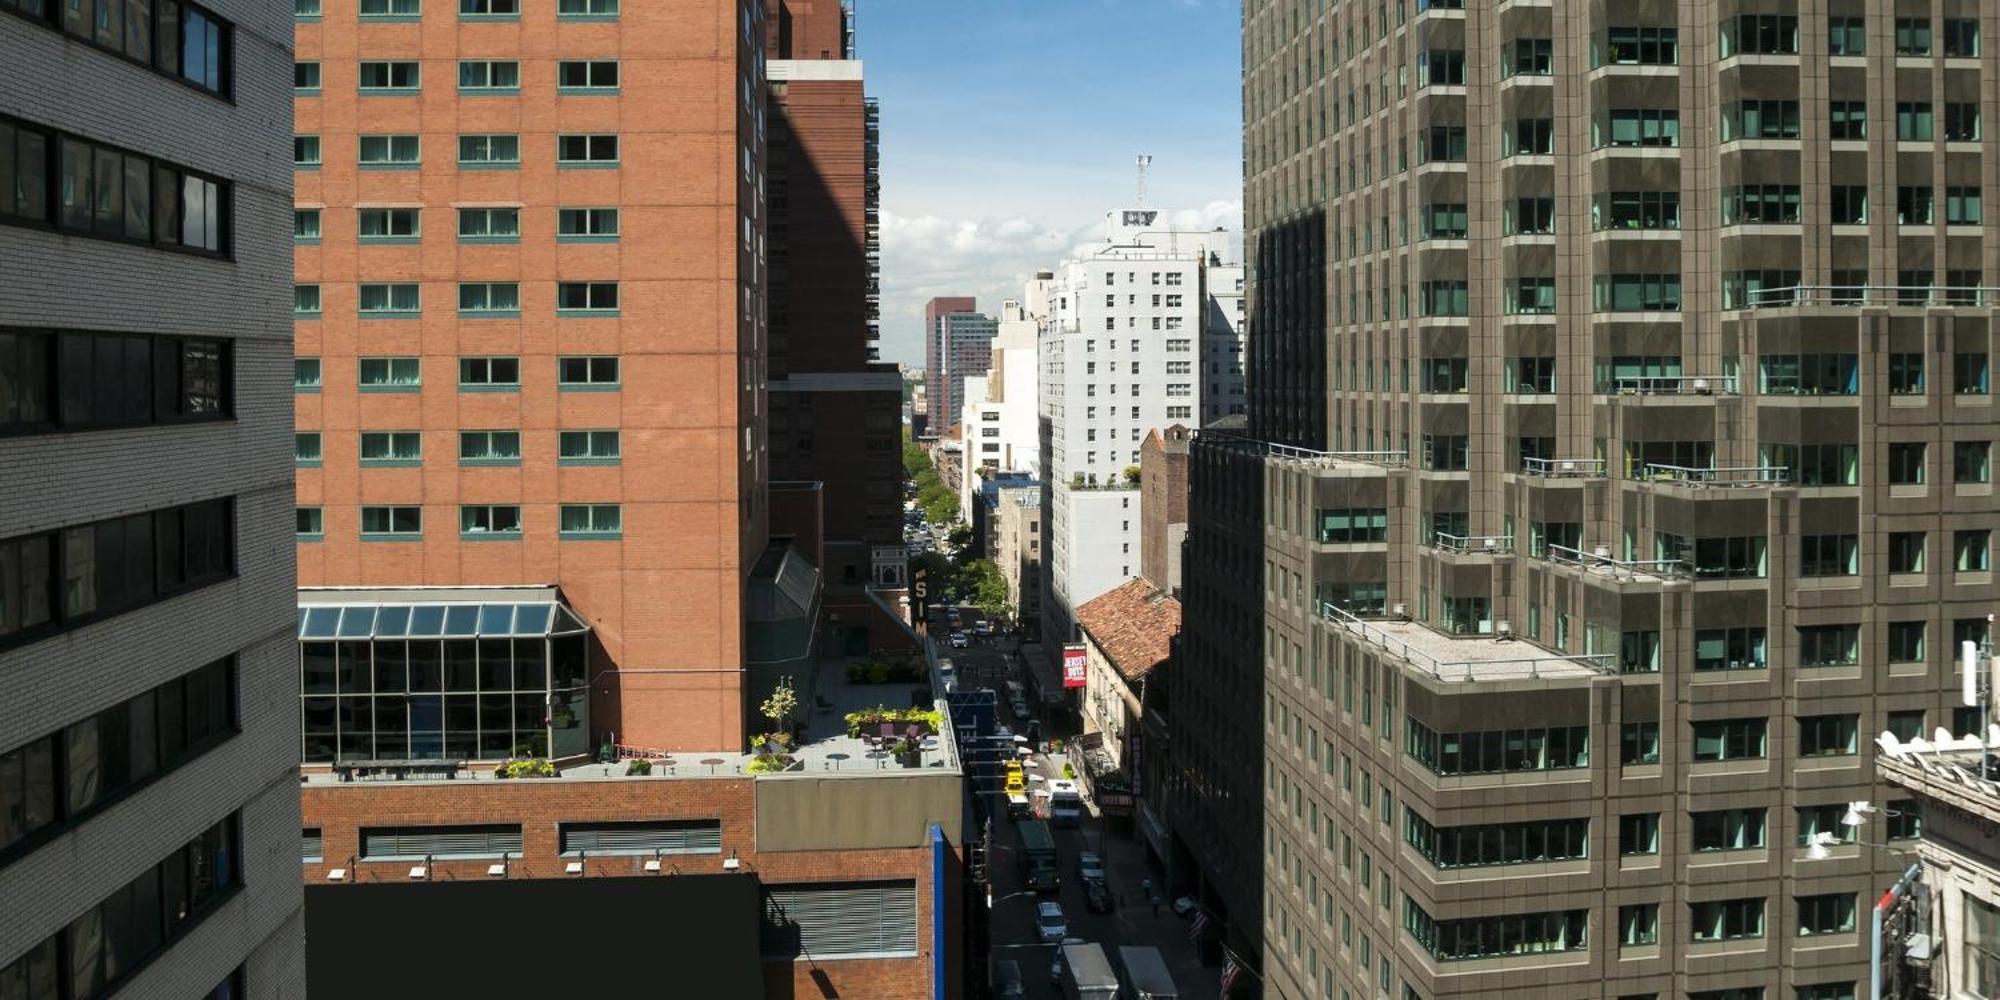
(1733, 477)
(1564, 468)
(1473, 543)
(1515, 668)
(1618, 569)
(1873, 295)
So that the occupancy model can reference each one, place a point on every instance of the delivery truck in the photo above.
(1146, 976)
(1038, 857)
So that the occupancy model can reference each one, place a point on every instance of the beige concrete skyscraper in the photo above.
(1618, 464)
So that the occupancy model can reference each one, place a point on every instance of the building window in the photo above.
(1913, 36)
(419, 843)
(1639, 743)
(576, 372)
(1829, 645)
(1829, 914)
(73, 381)
(1729, 648)
(1829, 555)
(489, 521)
(489, 76)
(1847, 36)
(390, 374)
(1632, 46)
(598, 520)
(391, 8)
(305, 225)
(489, 152)
(1497, 751)
(1529, 842)
(586, 298)
(1906, 643)
(1913, 122)
(1489, 937)
(305, 152)
(383, 77)
(381, 523)
(587, 8)
(1727, 829)
(595, 76)
(489, 9)
(1906, 551)
(586, 150)
(312, 524)
(1627, 127)
(1969, 374)
(389, 225)
(1760, 34)
(839, 920)
(1727, 919)
(1639, 652)
(390, 152)
(1729, 739)
(1826, 735)
(59, 780)
(489, 447)
(1971, 461)
(392, 448)
(104, 192)
(1848, 119)
(1760, 120)
(306, 449)
(1639, 834)
(380, 301)
(1636, 293)
(1905, 819)
(489, 225)
(1906, 463)
(642, 837)
(580, 225)
(489, 374)
(588, 447)
(1962, 206)
(63, 579)
(1639, 924)
(489, 298)
(1969, 550)
(305, 374)
(1760, 204)
(305, 77)
(183, 41)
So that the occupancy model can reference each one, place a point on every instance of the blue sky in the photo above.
(1009, 128)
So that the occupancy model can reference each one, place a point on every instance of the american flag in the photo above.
(1230, 970)
(1199, 924)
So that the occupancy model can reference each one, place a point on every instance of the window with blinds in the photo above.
(311, 848)
(840, 920)
(674, 836)
(439, 841)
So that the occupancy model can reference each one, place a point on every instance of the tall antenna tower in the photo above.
(1145, 160)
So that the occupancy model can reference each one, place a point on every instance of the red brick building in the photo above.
(593, 451)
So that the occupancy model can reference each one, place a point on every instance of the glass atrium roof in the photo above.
(538, 620)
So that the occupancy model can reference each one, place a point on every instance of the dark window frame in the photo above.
(61, 619)
(162, 406)
(226, 48)
(166, 759)
(53, 140)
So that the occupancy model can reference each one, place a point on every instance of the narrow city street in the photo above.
(990, 662)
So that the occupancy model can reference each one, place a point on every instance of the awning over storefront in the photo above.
(447, 612)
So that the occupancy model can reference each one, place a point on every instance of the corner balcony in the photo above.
(1815, 297)
(1449, 659)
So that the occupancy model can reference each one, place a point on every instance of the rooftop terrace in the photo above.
(1465, 658)
(825, 749)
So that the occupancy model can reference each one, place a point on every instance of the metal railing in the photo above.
(1463, 670)
(1675, 385)
(1873, 295)
(1564, 468)
(1473, 543)
(1599, 558)
(1395, 459)
(1737, 477)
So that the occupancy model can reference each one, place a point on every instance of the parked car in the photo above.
(959, 641)
(1049, 922)
(1007, 983)
(1090, 866)
(1097, 896)
(983, 627)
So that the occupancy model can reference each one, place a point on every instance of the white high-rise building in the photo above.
(1140, 333)
(1001, 407)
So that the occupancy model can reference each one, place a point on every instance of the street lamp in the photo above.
(1818, 848)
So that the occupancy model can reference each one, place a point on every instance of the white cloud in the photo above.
(925, 256)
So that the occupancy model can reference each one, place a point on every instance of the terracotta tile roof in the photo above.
(1132, 624)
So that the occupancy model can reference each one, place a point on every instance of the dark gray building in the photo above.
(1618, 463)
(149, 805)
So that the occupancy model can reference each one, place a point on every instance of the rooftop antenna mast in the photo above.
(1145, 160)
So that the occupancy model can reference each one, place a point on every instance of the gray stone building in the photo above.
(1618, 461)
(149, 805)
